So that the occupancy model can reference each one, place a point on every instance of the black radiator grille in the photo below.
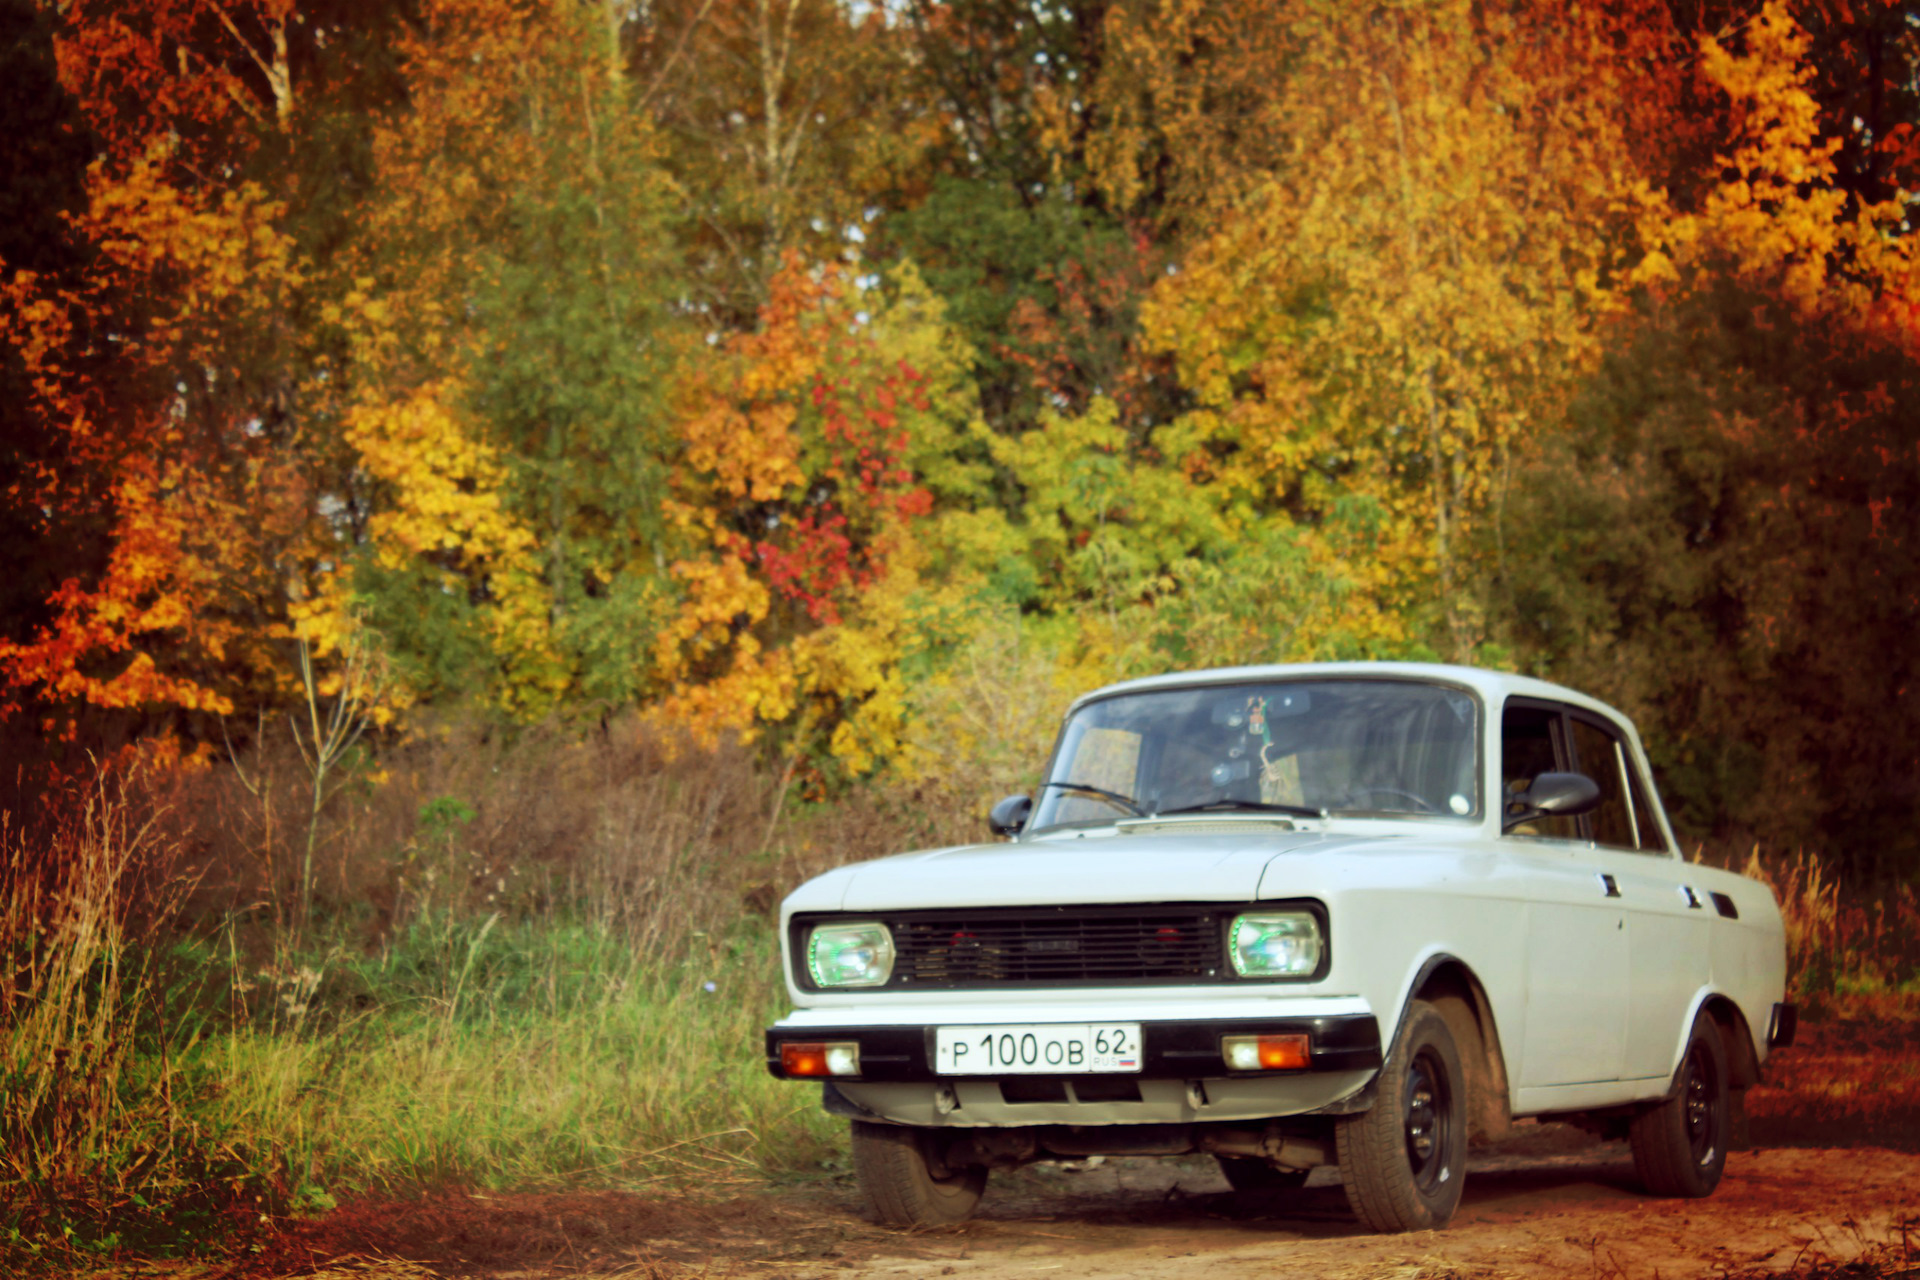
(1059, 946)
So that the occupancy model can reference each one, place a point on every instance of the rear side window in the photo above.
(1600, 755)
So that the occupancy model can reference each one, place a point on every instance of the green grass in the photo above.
(164, 1088)
(175, 1072)
(535, 1055)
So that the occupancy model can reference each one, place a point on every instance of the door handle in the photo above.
(1692, 898)
(1607, 884)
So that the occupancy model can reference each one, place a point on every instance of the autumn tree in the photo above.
(503, 344)
(817, 452)
(157, 390)
(1391, 311)
(46, 146)
(785, 125)
(1043, 273)
(1718, 544)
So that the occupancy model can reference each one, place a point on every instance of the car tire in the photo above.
(1404, 1160)
(1250, 1173)
(904, 1181)
(1680, 1146)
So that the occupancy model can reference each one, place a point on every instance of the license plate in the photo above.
(1052, 1049)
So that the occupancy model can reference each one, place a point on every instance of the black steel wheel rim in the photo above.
(1427, 1105)
(1700, 1093)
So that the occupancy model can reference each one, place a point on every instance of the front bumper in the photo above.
(1171, 1048)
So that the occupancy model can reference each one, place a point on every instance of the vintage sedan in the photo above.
(1333, 914)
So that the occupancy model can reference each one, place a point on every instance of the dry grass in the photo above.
(1895, 1257)
(95, 1146)
(1845, 947)
(650, 838)
(1853, 966)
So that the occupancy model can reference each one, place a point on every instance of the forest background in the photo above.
(496, 489)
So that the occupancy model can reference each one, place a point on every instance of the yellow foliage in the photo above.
(1776, 210)
(443, 483)
(722, 599)
(1389, 310)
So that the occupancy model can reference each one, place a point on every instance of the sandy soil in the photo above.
(1830, 1189)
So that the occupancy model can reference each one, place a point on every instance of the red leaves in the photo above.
(813, 391)
(816, 565)
(831, 550)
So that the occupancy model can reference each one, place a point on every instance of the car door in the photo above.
(1576, 945)
(1667, 915)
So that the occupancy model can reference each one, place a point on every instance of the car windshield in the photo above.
(1370, 747)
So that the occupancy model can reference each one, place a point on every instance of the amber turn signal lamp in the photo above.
(1264, 1053)
(799, 1058)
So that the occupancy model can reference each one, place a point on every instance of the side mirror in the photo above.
(1554, 795)
(1010, 815)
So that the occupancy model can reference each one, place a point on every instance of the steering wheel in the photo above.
(1421, 803)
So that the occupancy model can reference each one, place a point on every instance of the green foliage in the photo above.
(569, 308)
(1271, 596)
(991, 254)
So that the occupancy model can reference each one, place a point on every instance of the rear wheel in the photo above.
(905, 1179)
(1248, 1173)
(1680, 1146)
(1403, 1161)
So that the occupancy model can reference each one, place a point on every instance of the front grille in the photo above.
(1058, 946)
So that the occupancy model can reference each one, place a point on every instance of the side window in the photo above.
(1598, 754)
(1646, 826)
(1533, 742)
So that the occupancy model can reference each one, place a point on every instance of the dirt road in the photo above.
(1832, 1188)
(1574, 1212)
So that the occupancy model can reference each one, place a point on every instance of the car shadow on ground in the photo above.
(1566, 1167)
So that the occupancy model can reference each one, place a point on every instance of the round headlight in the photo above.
(1275, 944)
(850, 955)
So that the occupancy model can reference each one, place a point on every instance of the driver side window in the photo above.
(1533, 741)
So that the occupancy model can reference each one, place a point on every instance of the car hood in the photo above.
(1099, 867)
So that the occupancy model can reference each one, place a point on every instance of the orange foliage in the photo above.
(184, 480)
(794, 482)
(202, 76)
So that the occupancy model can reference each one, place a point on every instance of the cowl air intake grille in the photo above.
(1059, 946)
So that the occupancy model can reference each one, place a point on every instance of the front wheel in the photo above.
(906, 1181)
(1680, 1146)
(1403, 1161)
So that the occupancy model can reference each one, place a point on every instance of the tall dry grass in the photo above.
(650, 837)
(97, 1147)
(1843, 943)
(542, 958)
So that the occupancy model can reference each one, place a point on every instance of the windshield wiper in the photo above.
(1132, 805)
(1256, 806)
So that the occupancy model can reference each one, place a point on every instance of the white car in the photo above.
(1292, 916)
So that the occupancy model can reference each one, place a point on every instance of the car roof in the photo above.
(1495, 687)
